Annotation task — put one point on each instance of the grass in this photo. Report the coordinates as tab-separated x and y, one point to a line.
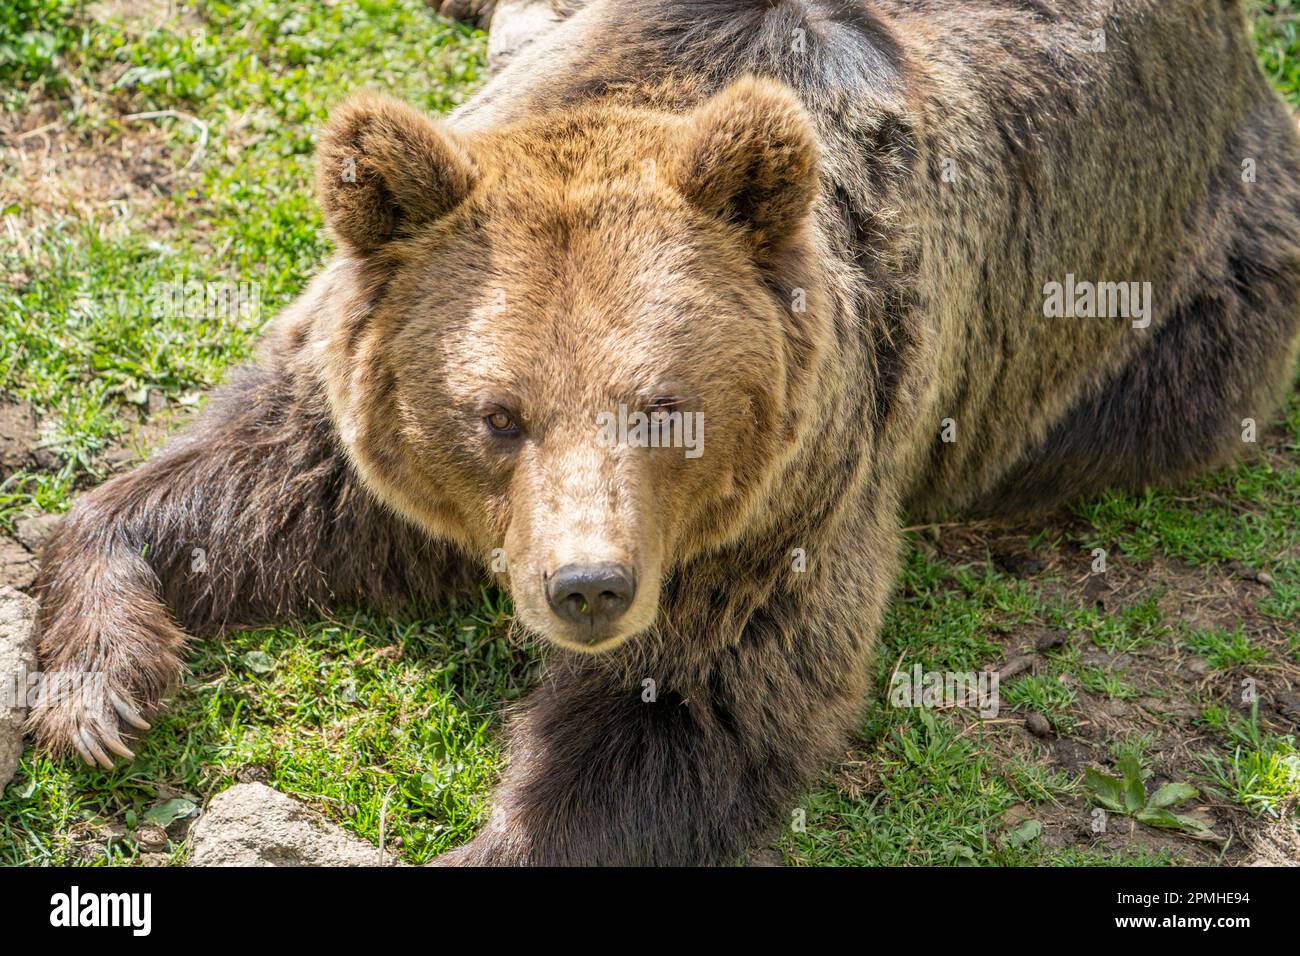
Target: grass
1223	649
368	717
1263	770
33	34
1122	631
1106	683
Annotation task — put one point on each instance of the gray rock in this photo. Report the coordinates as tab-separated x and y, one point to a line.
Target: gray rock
17	660
32	530
252	825
17	566
1038	725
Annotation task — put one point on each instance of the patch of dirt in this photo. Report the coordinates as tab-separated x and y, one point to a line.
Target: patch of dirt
95	166
1171	685
96	155
20	439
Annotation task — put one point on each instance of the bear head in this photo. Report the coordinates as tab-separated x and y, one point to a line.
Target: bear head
572	343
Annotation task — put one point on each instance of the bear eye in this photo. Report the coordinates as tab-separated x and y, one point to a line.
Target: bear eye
501	422
661	406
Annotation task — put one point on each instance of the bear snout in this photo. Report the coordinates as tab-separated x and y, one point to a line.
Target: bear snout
593	597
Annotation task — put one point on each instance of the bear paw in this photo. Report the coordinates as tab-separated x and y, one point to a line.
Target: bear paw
85	717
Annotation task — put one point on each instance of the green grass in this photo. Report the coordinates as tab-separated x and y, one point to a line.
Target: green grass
350	714
33	35
1122	631
938	804
1223	649
1262	770
1106	683
1043	694
369	717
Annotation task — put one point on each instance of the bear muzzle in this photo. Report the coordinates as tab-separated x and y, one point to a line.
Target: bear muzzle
591	598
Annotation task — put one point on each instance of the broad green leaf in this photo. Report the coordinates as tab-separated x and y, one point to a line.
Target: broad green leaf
165	814
1135	795
259	662
1171	794
1106	790
1025	833
1165	820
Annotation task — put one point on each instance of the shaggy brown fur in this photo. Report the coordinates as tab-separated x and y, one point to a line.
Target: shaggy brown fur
827	227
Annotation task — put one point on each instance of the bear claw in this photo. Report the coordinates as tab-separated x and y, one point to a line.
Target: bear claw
129	714
95	735
93	740
90	751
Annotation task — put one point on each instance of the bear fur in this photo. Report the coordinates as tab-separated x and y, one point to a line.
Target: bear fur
826	227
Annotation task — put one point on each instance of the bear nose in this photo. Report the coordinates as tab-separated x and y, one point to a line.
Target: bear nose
591	594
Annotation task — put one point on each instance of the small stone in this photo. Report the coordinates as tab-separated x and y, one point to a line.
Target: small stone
252	825
151	837
17	660
1015	667
1247	573
1037	725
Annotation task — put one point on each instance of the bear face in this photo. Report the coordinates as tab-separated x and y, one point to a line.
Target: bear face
563	344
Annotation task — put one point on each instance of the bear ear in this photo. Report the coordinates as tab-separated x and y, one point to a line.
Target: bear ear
383	167
749	157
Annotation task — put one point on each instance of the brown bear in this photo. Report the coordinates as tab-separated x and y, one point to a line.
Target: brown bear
676	319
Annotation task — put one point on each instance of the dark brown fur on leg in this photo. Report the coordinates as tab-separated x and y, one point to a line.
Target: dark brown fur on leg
249	516
702	774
